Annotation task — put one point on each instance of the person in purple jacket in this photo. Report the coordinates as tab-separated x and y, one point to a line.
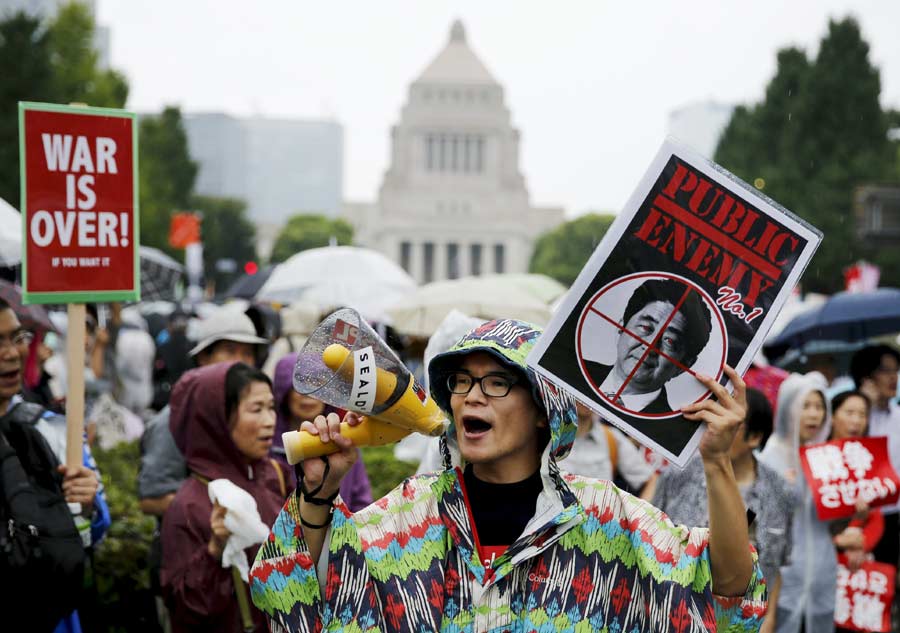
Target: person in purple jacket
293	409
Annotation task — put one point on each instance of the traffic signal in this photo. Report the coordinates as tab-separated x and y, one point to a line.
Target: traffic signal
251	268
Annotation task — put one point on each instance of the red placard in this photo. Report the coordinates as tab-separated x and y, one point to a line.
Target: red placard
184	230
842	471
79	204
864	596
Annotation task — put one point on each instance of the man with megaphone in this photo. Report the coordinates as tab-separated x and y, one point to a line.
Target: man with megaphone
506	541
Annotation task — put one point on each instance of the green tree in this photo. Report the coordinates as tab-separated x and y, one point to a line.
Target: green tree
227	234
167	176
25	75
55	63
303	232
819	133
76	75
563	252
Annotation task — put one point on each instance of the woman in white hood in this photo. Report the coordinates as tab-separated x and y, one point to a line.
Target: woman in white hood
809	580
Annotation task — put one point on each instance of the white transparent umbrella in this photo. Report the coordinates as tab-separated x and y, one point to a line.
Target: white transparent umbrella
10	234
491	297
336	276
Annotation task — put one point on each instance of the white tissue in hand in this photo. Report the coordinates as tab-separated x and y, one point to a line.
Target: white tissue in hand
241	519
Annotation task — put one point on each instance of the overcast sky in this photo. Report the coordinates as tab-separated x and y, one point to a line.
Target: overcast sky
590	84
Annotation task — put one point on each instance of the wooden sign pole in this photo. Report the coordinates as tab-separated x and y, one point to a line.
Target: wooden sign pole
75	335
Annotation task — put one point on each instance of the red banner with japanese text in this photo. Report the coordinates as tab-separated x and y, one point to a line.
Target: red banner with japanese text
864	596
842	472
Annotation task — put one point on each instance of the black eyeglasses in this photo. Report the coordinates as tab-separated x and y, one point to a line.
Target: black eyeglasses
492	385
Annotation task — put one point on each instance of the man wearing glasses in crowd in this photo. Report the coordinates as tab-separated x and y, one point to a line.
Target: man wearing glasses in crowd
501	539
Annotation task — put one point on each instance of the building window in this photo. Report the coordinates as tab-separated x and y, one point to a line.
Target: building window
442	153
405	255
499	256
475	258
875	216
428	262
452	261
454	152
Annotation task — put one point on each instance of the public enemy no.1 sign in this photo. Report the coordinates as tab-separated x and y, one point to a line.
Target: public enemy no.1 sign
79	204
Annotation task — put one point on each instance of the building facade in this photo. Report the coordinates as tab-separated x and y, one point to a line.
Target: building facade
700	125
876	211
453	201
279	167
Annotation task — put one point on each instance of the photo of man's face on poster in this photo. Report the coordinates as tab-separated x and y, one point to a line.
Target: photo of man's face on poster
660	335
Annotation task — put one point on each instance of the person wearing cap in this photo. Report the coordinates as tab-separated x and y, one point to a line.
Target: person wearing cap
508	542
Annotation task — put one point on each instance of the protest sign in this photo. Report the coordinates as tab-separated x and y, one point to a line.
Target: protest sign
841	472
864	596
689	277
79	204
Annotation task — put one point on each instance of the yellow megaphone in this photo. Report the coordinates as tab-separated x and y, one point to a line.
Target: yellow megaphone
300	445
344	363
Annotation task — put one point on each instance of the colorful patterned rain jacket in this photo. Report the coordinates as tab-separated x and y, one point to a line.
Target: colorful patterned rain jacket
593	558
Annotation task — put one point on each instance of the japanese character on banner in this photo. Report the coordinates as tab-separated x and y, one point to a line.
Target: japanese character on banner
826	463
863	598
857	458
842	472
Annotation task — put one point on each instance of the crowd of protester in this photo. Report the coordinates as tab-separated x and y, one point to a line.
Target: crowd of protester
209	398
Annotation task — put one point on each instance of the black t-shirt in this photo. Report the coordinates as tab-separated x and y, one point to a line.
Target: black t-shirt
501	511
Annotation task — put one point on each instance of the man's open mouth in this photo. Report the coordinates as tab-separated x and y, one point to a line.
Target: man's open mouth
475	426
9	375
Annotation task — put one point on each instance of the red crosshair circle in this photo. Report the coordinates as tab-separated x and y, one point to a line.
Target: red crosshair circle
652	346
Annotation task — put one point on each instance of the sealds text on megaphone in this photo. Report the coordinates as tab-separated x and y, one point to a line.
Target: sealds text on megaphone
344	363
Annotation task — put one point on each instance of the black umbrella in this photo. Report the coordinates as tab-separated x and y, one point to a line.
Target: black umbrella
844	317
32	317
160	275
246	286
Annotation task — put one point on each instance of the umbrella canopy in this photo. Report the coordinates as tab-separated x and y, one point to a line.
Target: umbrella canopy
160	275
336	276
844	317
32	317
10	234
247	286
543	288
489	297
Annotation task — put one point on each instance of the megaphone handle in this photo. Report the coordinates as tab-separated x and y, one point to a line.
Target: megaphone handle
308	445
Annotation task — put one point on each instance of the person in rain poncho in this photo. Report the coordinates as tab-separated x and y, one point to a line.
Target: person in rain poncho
507	542
809	580
222	419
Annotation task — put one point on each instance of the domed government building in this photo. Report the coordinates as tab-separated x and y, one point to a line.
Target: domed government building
453	201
